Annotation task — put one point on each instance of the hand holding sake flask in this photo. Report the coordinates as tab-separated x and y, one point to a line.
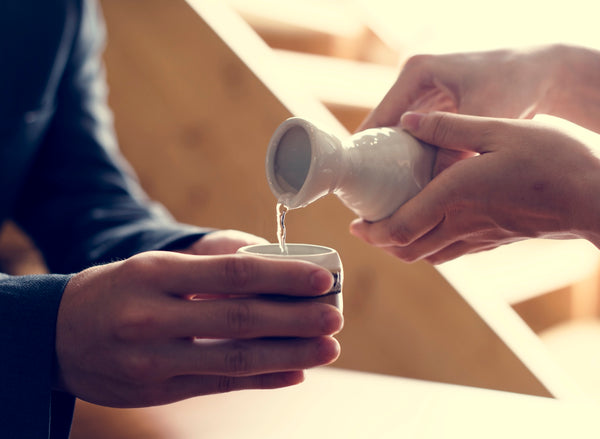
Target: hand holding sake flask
373	172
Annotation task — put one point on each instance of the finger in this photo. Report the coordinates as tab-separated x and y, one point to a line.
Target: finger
387	113
457	250
446	157
224	242
181	387
188	386
453	237
182	274
250	357
410	255
429	244
412	220
446	243
249	318
471	245
438	98
452	131
434	255
424	84
414	83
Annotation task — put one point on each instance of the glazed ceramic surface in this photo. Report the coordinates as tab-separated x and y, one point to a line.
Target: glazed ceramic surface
373	172
326	257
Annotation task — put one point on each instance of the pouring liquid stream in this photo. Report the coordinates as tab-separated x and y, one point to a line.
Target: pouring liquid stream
281	209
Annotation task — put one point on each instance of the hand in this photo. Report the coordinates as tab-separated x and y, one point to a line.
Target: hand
530	179
559	80
128	333
500	83
223	242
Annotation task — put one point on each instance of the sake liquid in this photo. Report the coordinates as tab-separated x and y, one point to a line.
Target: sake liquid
281	232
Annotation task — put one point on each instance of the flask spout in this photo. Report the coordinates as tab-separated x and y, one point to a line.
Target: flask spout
300	164
292	159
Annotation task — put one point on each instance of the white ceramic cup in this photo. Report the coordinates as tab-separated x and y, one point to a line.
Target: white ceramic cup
324	256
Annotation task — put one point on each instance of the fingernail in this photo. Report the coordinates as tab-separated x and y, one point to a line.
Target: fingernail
411	121
321	280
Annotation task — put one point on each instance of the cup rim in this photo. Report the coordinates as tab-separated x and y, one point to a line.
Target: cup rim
293	250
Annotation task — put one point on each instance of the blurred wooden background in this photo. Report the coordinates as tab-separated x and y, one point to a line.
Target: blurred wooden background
197	93
195	120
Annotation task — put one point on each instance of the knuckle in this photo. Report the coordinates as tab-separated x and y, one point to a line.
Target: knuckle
134	324
400	234
437	259
410	258
404	254
440	128
492	128
240	319
417	62
151	396
238	360
140	368
143	266
225	384
239	271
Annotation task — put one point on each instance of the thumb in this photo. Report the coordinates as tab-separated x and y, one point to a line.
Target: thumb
449	130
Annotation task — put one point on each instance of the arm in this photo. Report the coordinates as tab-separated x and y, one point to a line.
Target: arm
559	80
28	309
81	203
78	201
99	333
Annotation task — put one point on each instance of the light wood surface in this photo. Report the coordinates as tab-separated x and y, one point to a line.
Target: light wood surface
341	404
196	98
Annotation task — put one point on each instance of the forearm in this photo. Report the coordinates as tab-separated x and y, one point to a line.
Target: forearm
74	235
80	201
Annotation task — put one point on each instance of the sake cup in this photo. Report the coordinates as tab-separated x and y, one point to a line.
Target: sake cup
325	257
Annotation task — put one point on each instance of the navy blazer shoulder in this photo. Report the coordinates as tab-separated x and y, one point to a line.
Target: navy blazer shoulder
63	180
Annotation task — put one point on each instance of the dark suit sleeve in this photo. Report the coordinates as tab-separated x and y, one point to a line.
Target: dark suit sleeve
81	203
28	309
78	201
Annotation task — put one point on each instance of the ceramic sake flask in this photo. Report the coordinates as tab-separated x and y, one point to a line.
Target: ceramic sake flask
373	172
